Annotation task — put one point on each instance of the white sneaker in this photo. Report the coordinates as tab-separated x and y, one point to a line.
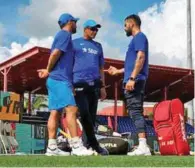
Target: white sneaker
56	152
79	150
145	151
94	152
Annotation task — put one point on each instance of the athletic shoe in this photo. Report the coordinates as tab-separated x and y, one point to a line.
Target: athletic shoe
78	149
56	152
137	151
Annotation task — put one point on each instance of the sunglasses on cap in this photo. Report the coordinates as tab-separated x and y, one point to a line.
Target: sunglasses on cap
93	29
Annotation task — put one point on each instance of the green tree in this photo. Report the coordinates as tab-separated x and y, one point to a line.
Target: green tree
37	102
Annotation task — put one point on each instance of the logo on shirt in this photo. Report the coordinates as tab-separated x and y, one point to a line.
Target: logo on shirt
81	44
90	51
84	49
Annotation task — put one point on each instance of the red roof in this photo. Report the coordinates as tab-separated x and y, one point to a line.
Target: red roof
23	77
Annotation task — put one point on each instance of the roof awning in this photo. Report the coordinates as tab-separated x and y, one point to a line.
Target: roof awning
22	77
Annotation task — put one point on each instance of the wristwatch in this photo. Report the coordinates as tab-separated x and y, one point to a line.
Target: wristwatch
132	79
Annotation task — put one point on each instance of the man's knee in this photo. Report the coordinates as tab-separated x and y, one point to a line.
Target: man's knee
71	110
138	120
54	115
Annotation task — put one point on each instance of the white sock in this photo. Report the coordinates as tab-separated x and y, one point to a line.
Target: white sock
75	142
75	139
142	142
52	143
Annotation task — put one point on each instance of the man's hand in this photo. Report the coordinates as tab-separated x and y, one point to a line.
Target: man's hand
103	94
43	73
130	85
112	70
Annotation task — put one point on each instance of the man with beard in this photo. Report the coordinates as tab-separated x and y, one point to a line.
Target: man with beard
89	82
135	76
59	85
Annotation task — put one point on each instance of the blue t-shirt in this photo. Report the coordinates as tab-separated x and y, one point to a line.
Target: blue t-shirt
88	60
138	43
63	68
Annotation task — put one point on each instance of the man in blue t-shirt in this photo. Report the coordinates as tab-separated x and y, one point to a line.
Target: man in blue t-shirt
59	84
135	76
89	83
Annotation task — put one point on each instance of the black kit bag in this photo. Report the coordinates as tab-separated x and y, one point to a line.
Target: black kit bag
115	145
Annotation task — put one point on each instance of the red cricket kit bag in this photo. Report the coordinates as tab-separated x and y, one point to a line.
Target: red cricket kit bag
170	127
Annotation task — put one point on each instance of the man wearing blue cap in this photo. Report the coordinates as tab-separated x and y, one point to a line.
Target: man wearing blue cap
89	83
59	84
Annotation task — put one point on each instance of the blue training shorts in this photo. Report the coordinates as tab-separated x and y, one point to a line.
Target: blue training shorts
60	94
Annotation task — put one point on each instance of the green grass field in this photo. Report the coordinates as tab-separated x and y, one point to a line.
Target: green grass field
97	161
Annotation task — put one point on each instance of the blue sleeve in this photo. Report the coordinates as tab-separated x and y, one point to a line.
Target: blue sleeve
140	43
74	42
101	58
62	41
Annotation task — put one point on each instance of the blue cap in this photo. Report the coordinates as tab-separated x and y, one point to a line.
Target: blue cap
91	23
65	18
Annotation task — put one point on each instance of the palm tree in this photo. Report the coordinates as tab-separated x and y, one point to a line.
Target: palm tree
38	102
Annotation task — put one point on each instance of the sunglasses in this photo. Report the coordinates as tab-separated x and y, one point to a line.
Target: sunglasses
93	29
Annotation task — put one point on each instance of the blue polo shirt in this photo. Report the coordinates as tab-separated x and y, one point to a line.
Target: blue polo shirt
138	43
64	66
88	60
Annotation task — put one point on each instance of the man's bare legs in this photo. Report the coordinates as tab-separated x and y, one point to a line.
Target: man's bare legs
53	124
75	141
71	112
